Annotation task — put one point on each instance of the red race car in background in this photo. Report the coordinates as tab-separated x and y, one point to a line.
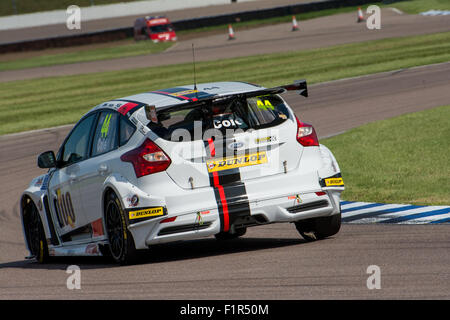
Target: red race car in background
158	29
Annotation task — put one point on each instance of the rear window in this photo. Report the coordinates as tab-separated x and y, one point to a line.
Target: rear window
224	116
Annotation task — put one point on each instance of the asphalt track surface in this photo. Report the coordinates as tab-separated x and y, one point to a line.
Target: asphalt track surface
269	262
314	33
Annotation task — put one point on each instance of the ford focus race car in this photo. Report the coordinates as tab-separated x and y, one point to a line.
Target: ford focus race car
178	164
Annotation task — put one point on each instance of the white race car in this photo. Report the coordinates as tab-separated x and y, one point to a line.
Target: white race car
177	164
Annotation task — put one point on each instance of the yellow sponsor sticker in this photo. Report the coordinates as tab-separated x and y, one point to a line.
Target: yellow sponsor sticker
266	139
334	182
145	213
183	93
237	162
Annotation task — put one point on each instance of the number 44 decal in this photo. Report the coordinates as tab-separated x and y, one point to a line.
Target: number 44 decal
264	105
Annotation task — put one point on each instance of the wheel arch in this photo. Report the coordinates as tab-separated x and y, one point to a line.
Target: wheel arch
26	200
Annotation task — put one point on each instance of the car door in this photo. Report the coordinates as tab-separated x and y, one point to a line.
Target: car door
64	188
98	167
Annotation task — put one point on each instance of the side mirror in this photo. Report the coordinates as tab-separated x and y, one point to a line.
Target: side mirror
47	160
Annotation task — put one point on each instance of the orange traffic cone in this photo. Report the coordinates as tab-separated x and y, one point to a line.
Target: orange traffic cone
230	33
294	24
360	15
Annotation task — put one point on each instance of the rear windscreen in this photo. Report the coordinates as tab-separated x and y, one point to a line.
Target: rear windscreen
226	117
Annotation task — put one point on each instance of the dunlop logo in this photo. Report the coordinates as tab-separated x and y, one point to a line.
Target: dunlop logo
334	182
145	213
237	162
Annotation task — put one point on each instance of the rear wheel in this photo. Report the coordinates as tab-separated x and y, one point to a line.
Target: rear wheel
34	231
121	243
319	228
228	236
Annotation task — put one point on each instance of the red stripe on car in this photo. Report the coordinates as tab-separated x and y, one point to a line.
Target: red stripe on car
126	107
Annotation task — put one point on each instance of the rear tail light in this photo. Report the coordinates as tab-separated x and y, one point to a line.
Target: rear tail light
306	135
147	159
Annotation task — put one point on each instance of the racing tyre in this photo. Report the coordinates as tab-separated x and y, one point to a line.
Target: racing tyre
228	236
319	228
34	231
121	243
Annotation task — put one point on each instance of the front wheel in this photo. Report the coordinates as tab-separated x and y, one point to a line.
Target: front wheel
319	228
34	231
121	243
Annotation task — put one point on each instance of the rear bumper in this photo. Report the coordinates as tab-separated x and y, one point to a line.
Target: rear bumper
205	222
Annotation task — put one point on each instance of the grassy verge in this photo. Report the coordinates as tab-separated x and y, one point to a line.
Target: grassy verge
399	160
47	102
81	55
418	6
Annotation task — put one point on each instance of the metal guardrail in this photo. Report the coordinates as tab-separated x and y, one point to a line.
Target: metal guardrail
186	24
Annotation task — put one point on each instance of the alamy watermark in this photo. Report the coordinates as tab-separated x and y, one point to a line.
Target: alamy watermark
73	21
74	280
373	21
374	280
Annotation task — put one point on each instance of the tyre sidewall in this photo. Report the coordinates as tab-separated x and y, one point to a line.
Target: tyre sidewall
128	252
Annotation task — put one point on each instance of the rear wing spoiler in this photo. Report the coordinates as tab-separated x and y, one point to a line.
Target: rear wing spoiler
299	85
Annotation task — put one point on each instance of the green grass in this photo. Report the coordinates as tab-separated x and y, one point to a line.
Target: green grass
82	55
47	102
418	6
400	160
29	6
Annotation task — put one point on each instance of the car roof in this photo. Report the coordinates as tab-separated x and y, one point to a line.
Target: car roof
182	94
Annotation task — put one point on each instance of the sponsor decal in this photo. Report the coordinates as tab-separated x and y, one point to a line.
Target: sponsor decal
235	145
63	203
38	182
127	107
296	197
92	249
183	93
145	213
266	139
105	126
264	104
334	182
153	22
199	219
237	162
227	123
97	228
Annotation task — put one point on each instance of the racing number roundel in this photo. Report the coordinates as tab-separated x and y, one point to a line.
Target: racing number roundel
64	207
